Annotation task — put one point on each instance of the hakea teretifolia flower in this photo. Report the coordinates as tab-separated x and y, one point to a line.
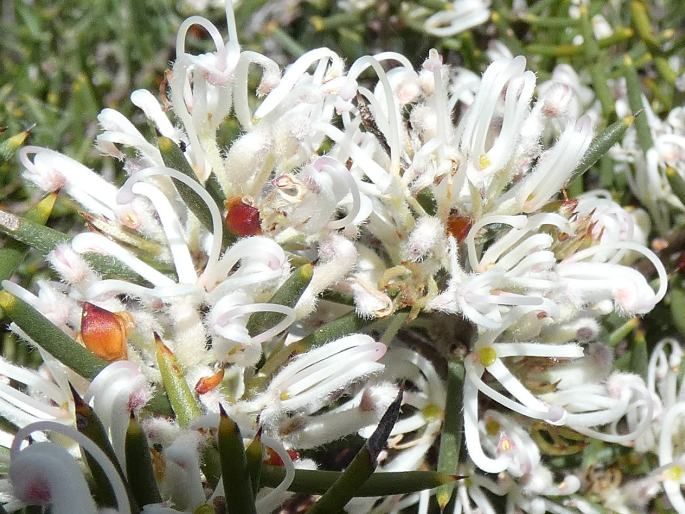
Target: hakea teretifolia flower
412	191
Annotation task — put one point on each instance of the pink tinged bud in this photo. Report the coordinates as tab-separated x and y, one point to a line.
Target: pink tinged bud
69	265
269	81
427	235
45	474
557	100
433	63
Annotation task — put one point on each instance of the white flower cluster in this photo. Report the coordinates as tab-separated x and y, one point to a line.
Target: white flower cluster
414	193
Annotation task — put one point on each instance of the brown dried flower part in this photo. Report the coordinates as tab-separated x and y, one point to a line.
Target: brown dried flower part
206	384
104	333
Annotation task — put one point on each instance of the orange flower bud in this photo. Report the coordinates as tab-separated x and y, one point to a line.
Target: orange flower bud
206	384
458	226
242	219
104	333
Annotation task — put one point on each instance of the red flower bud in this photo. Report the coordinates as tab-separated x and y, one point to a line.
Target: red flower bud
459	226
104	333
242	219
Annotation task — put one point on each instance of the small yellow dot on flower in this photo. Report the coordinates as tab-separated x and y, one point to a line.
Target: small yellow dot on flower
505	445
284	396
487	356
431	411
484	161
492	427
674	473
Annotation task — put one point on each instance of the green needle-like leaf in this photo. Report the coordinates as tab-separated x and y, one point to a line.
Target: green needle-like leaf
676	182
601	144
639	356
139	468
450	438
50	338
288	294
677	306
62	347
45	239
13	253
362	466
254	456
236	478
379	484
182	400
10	145
173	157
90	425
644	134
622	332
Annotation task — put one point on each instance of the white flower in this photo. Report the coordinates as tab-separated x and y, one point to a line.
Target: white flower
524	402
309	381
462	15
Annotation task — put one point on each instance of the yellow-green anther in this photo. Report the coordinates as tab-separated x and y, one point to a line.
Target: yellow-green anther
674	473
487	356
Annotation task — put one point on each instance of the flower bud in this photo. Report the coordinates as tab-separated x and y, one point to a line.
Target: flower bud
242	219
458	226
557	100
427	236
206	384
103	332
